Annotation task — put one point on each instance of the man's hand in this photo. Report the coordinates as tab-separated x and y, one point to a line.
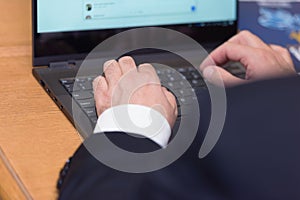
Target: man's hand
124	83
260	60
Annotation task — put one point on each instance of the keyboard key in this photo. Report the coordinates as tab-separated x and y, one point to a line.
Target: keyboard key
81	80
84	85
91	112
187	100
72	88
196	75
186	110
187	92
198	83
182	69
67	81
82	95
192	69
69	87
94	119
91	78
86	103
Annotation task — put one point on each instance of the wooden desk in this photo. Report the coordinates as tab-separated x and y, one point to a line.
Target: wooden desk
35	137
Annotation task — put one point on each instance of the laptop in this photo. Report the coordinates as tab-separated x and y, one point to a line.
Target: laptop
66	31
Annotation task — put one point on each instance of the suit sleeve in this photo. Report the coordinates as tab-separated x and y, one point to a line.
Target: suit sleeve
87	178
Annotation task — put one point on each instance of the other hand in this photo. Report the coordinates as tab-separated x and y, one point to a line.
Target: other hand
261	61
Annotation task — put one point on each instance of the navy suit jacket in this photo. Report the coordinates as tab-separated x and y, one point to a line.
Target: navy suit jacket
256	157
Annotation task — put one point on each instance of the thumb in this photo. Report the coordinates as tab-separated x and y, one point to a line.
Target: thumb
220	77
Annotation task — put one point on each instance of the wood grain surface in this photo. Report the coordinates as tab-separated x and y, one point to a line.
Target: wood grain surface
35	136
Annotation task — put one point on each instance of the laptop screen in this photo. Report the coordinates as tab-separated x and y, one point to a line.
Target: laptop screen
69	30
70	15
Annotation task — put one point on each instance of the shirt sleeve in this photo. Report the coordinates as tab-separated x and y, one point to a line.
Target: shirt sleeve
134	119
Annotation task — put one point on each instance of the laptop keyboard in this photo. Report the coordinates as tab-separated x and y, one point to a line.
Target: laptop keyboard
81	89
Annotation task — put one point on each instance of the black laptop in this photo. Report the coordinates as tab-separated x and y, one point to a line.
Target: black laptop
66	31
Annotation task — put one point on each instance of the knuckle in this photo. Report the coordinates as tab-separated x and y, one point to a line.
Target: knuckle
263	55
226	46
245	33
285	51
109	69
146	66
126	60
108	64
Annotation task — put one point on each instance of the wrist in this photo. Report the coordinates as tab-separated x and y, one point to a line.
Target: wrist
135	119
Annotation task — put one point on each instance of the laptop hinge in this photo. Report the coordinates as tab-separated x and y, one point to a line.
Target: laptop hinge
65	64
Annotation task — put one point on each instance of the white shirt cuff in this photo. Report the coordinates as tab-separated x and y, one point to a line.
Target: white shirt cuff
135	119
